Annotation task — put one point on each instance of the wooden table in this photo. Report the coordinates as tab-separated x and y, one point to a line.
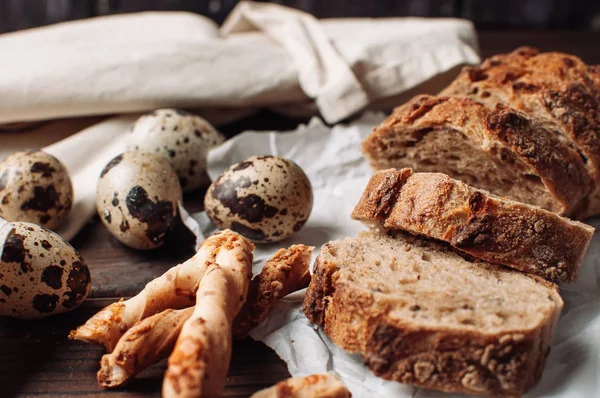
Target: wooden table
36	359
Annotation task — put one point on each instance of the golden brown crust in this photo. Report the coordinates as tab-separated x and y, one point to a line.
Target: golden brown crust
501	231
557	88
313	386
473	361
381	194
506	139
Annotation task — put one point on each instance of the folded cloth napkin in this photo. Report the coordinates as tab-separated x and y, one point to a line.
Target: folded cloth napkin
264	55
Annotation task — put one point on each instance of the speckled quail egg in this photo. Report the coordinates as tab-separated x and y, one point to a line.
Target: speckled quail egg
40	273
35	187
183	138
264	198
137	199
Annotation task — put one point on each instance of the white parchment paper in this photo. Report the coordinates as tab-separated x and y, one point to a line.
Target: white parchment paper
338	172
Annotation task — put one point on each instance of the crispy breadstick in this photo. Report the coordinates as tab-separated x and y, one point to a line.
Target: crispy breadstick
200	360
176	288
152	339
314	386
286	272
141	346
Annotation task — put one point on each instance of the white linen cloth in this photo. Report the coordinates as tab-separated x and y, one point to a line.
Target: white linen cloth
264	55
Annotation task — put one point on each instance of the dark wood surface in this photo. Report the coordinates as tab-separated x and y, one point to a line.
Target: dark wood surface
36	359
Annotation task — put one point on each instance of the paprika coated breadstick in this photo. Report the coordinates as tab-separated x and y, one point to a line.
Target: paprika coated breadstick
313	386
152	339
200	360
176	288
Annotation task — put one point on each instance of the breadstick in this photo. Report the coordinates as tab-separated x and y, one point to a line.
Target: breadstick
286	272
147	342
314	386
152	339
199	363
176	288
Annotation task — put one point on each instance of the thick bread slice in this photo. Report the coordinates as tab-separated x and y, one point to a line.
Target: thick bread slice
423	315
558	88
500	150
486	226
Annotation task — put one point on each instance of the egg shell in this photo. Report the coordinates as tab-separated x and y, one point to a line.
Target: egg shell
264	198
40	274
137	199
182	137
35	187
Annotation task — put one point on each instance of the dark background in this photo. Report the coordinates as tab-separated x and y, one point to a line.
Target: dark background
487	14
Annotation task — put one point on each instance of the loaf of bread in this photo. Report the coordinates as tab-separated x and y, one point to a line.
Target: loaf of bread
524	126
421	314
477	222
557	88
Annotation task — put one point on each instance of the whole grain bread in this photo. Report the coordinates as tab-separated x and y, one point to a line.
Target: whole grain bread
421	314
477	222
312	386
501	150
557	88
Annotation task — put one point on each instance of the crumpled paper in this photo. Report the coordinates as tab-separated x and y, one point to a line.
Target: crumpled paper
338	172
265	55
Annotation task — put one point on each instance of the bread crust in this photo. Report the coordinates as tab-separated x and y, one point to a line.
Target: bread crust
483	225
555	87
506	135
469	361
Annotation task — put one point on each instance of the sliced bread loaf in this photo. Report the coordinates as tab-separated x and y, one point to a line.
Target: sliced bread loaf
558	88
500	150
423	315
486	226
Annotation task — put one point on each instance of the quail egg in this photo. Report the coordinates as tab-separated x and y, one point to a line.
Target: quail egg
183	138
264	198
35	187
137	199
40	273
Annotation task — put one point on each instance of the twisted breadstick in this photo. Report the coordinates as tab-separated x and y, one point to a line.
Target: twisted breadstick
314	386
147	342
199	363
176	288
284	273
152	339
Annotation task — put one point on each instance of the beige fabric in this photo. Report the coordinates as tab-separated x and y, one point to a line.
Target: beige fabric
265	55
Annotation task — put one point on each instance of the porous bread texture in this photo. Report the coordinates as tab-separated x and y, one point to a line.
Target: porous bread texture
423	315
502	150
477	222
559	89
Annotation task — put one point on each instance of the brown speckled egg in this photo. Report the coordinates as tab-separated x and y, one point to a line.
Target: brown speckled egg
183	138
137	199
264	198
40	274
35	187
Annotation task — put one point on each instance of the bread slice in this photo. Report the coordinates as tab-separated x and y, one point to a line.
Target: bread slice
423	315
500	150
555	87
477	222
